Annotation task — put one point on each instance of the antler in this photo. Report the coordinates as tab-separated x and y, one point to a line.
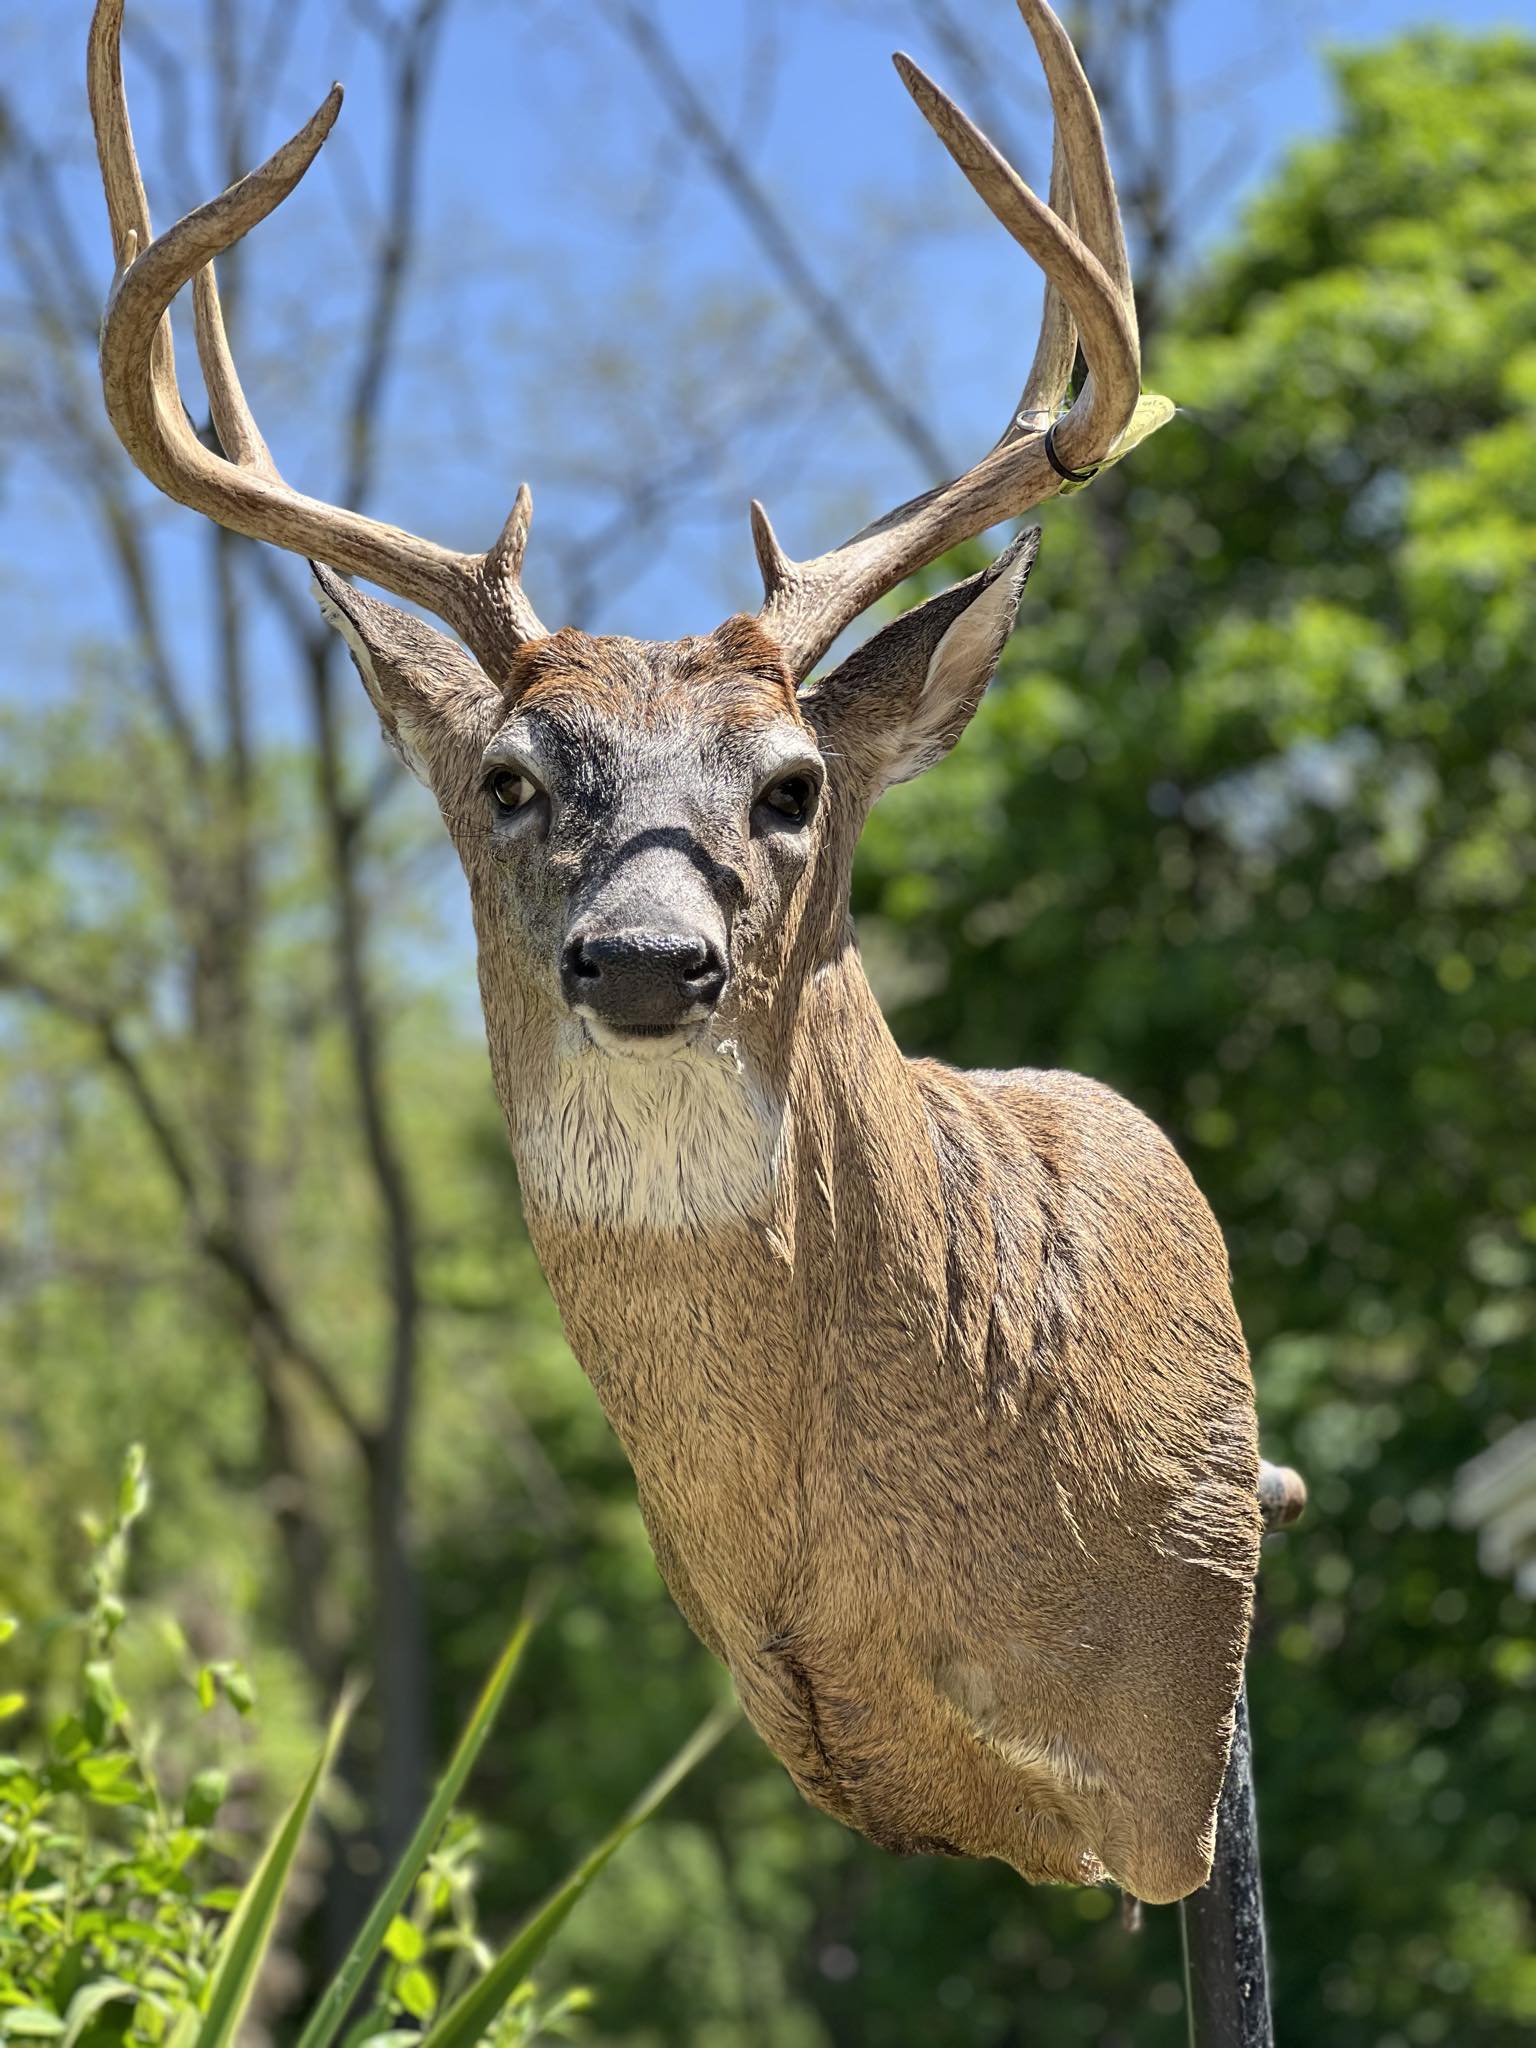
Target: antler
480	596
1078	242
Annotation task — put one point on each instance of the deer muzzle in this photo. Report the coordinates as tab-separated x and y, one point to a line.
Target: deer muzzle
648	952
643	984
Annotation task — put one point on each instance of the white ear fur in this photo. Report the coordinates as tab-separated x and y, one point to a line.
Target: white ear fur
394	733
958	670
972	643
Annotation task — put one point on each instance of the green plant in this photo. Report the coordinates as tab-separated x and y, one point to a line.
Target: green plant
116	1930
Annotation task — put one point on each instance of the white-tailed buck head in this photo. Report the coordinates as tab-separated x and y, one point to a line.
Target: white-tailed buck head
932	1385
648	810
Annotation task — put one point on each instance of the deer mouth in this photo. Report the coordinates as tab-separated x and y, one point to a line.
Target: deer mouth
642	1041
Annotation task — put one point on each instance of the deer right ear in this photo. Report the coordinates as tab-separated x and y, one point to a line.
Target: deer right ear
424	686
900	702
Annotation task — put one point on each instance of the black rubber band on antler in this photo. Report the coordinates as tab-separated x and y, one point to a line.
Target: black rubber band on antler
1070	476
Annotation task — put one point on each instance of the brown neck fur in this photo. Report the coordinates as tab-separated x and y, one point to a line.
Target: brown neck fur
958	1423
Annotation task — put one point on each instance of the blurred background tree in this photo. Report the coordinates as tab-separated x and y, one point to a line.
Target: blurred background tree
1245	830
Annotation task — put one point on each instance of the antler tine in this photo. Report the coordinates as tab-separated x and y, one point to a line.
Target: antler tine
233	421
1088	291
480	596
1081	135
1095	301
127	201
1056	350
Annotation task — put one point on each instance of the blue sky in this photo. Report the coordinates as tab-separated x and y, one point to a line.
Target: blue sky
596	302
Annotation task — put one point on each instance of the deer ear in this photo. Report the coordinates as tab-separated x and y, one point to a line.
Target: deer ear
426	689
899	702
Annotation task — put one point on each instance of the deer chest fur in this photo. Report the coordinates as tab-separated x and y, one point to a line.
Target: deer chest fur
687	1143
975	1467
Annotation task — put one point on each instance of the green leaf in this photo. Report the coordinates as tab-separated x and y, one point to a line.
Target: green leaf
69	1738
230	1678
8	1627
149	2018
416	1990
243	1945
133	1487
404	1940
88	2001
11	1703
141	1933
101	1703
472	2015
334	2005
30	2023
222	1899
238	1689
1152	411
205	1795
111	1780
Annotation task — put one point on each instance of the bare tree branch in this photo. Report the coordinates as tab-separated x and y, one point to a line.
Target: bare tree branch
64	315
772	233
213	1234
415	42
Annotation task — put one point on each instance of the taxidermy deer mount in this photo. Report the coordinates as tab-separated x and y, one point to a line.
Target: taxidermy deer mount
937	1403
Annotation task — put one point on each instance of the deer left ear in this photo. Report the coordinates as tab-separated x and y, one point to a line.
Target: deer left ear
900	702
424	686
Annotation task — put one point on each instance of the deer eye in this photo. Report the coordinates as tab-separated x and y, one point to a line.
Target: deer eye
511	790
790	798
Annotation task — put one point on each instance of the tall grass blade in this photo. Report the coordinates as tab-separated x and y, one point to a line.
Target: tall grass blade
245	1940
466	2021
327	2018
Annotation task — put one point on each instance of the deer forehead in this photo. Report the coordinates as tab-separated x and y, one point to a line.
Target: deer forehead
593	705
734	675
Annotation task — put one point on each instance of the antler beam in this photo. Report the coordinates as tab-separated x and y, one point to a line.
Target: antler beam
480	596
1079	244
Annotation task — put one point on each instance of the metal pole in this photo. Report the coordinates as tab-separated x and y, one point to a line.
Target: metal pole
1226	1977
1226	1972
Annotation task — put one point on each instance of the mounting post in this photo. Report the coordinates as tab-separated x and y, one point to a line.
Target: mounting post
1226	1973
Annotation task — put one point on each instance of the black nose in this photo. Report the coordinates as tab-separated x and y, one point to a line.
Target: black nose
646	982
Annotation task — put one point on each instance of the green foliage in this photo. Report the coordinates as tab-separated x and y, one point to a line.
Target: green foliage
468	2020
408	1984
112	1892
243	1946
114	1934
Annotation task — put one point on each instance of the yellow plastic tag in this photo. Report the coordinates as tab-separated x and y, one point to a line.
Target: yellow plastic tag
1152	411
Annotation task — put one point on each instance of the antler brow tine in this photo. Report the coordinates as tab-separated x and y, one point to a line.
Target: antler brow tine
1079	244
479	595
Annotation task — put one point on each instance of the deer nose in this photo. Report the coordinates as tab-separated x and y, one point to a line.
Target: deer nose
642	981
